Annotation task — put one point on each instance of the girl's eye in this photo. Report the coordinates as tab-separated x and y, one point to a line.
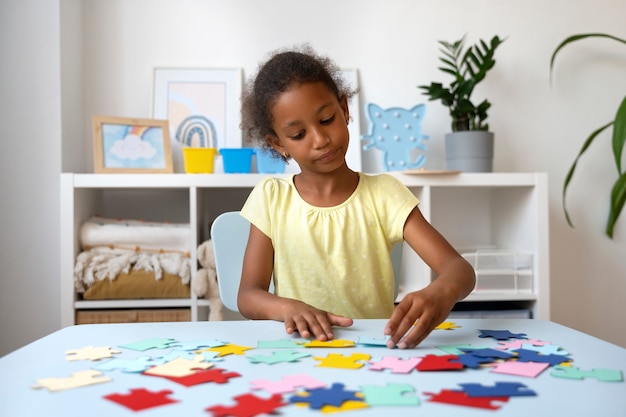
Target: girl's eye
297	136
328	121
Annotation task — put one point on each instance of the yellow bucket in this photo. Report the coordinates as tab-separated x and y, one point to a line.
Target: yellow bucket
199	160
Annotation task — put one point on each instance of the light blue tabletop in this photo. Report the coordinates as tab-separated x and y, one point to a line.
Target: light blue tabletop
46	358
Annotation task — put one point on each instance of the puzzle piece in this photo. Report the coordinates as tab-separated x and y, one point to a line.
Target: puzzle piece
470	360
439	363
142	399
90	353
75	380
287	384
457	349
216	375
524	355
547	349
155	343
527	369
317	398
447	396
395	364
489	353
179	367
248	405
501	334
278	357
197	345
601	374
227	349
447	325
335	343
373	341
127	365
336	360
390	394
517	344
280	344
500	389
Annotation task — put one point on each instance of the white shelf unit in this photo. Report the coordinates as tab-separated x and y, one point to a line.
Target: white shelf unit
507	210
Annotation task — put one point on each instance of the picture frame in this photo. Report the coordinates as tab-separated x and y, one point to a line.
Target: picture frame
201	105
131	145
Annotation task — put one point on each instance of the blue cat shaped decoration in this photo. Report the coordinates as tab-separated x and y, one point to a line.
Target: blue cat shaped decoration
396	131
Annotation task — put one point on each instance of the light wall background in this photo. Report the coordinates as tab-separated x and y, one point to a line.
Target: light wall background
65	60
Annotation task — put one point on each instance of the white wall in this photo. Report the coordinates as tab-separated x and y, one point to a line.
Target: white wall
30	122
394	46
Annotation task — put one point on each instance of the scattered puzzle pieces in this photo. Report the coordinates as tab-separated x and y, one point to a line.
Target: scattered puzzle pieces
90	353
501	334
248	405
336	360
572	372
142	399
278	357
155	343
77	379
179	367
317	398
390	394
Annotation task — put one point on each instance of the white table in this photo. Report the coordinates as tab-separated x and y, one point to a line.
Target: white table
555	396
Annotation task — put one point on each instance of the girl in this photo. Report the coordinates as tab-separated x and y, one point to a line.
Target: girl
326	233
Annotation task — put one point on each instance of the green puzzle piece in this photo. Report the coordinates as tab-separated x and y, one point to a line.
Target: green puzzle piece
571	372
391	394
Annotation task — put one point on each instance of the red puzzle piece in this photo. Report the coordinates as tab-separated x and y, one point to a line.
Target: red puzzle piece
439	363
447	396
248	405
217	375
141	399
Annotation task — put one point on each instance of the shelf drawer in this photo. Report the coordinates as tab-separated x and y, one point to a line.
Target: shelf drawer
132	316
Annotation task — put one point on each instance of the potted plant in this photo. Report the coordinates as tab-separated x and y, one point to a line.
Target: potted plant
618	192
470	145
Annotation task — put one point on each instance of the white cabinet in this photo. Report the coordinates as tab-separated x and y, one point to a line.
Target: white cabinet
507	211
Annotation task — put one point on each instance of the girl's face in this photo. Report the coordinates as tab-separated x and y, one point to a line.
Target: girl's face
312	126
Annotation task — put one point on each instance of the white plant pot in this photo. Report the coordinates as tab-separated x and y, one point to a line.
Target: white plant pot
469	151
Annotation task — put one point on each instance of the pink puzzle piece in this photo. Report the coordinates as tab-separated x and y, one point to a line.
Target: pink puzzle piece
518	344
287	384
527	369
395	364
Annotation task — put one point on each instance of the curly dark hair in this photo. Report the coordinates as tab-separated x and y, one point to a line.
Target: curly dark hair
279	73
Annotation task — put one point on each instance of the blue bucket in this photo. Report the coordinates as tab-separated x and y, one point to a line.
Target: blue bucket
267	163
237	160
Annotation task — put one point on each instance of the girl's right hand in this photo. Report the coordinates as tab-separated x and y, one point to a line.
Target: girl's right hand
310	321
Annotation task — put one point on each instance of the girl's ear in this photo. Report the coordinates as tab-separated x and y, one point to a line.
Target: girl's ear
276	143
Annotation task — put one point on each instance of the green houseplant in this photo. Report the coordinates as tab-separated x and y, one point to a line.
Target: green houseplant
618	192
468	67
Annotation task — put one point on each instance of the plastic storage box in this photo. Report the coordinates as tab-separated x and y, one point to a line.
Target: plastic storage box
502	270
237	160
266	163
199	160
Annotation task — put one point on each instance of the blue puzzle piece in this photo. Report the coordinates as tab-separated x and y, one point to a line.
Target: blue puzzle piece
525	355
317	398
488	353
500	389
501	334
469	360
278	357
137	365
198	344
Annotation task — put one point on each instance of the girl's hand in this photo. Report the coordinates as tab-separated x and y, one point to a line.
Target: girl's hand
310	321
418	314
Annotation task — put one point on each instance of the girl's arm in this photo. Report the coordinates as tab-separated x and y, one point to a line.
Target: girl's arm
431	305
256	302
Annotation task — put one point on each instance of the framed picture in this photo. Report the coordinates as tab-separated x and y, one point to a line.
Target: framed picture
201	105
131	145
